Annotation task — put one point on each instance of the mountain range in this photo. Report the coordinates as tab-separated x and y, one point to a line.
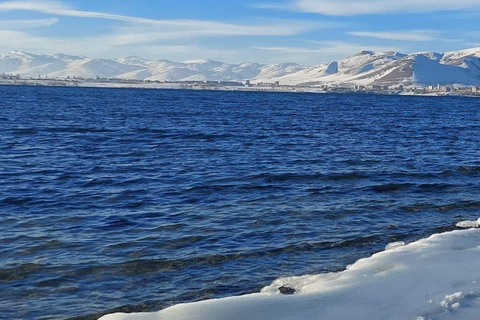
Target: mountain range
365	68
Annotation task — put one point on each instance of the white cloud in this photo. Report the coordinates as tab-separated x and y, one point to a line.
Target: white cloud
58	8
413	35
14	39
110	47
347	48
289	50
180	27
144	37
328	50
363	7
278	6
89	46
102	47
26	24
474	44
131	39
146	34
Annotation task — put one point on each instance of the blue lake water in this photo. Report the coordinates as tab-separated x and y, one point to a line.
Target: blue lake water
135	200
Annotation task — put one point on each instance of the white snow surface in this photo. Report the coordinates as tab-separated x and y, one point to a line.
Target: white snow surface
469	224
365	68
437	278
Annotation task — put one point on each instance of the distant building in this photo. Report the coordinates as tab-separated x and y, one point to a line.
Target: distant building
445	89
475	89
268	84
230	83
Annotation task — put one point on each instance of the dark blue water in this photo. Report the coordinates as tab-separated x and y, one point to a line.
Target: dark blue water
135	199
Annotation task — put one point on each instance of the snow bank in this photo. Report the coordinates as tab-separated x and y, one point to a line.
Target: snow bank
435	278
469	224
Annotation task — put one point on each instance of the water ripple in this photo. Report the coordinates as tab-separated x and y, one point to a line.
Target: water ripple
138	199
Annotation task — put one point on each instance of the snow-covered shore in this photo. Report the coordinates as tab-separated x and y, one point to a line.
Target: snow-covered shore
434	278
175	86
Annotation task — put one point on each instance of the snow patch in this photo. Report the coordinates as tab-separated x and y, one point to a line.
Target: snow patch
468	224
394	245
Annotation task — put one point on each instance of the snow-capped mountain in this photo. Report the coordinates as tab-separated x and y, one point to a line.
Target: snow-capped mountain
62	66
393	68
365	68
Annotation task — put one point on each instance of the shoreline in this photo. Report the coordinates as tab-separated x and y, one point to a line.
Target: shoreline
187	86
382	286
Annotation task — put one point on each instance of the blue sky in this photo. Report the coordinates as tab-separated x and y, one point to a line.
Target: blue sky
266	31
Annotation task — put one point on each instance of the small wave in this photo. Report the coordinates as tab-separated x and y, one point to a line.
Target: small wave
181	242
171	227
25	131
78	130
358	242
226	187
354	175
116	223
258	187
152	130
206	136
145	267
469	169
99	182
424	187
268	177
208	188
467	205
391	187
54	282
432	187
67	176
152	266
132	181
49	245
25	238
288	177
17	201
20	272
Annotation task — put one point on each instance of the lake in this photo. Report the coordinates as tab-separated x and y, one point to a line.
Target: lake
134	200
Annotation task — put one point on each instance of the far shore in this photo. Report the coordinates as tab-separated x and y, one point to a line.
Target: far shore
92	83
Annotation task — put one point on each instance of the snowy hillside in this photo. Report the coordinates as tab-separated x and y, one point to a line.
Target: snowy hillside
365	68
392	68
62	66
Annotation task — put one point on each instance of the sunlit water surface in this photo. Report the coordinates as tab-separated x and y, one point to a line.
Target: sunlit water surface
138	199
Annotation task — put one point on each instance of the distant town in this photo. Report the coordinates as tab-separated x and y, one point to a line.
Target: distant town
400	89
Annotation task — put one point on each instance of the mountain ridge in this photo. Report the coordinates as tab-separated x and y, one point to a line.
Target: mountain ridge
460	67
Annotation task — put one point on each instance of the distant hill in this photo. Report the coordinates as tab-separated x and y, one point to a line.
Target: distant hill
365	68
